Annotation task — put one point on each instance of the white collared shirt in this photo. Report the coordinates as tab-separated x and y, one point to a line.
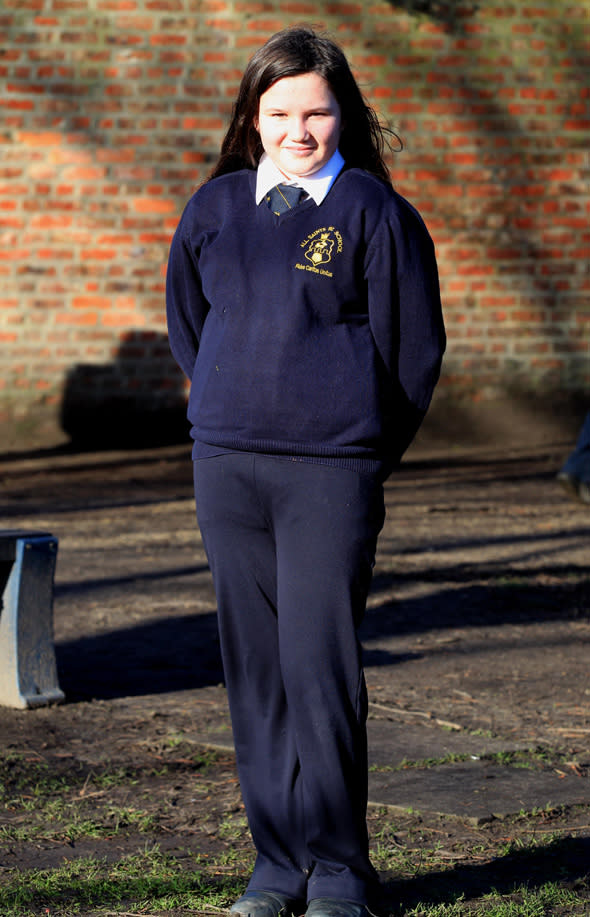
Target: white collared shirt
316	185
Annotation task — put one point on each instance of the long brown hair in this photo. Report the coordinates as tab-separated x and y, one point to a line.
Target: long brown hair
290	53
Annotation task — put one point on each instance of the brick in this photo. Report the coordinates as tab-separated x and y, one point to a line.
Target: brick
152	205
121	320
39	139
73	319
91	302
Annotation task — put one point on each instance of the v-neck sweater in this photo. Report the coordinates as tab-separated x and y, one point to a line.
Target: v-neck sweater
316	334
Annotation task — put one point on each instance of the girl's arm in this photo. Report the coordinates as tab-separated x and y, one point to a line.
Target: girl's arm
186	306
406	318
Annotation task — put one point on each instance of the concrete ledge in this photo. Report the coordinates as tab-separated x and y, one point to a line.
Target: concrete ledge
28	673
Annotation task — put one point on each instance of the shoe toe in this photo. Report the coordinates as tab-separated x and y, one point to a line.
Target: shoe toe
263	904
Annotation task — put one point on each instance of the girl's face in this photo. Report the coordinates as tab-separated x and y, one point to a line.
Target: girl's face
299	122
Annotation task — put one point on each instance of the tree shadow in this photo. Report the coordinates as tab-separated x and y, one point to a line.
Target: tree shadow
180	653
563	860
137	401
449	12
509	599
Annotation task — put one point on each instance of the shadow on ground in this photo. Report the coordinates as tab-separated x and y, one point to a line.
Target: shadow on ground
509	598
563	861
177	654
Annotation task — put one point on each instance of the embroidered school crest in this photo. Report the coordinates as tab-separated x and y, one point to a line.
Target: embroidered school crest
320	250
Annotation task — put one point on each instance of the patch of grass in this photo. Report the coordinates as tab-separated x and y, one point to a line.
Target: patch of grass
537	757
407	764
151	878
114	821
547	901
531	872
41	805
206	758
119	776
232	828
28	782
21	777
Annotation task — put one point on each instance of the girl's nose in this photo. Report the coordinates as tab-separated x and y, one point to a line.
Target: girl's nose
297	128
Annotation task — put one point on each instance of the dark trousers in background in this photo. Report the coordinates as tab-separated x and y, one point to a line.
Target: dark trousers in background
291	546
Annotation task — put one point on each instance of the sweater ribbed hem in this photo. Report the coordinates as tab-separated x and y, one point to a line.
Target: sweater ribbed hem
319	456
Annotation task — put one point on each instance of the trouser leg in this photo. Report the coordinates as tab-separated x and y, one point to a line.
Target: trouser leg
326	527
241	552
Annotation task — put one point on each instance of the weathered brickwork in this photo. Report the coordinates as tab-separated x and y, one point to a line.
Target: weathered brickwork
112	111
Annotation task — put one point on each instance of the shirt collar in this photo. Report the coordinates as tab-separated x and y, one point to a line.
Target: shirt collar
316	185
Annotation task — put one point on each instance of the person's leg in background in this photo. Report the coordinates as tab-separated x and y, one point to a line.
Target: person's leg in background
575	473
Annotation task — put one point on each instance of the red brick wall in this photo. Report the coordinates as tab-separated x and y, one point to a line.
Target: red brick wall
112	111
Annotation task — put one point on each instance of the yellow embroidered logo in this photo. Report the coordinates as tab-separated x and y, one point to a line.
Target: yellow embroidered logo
320	246
320	251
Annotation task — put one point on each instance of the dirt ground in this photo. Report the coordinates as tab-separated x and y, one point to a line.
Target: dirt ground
478	625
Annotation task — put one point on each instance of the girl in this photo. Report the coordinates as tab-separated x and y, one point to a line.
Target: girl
303	305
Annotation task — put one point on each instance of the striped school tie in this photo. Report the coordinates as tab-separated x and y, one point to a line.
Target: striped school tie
283	197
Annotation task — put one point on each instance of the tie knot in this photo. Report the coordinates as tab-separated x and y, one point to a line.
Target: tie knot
284	197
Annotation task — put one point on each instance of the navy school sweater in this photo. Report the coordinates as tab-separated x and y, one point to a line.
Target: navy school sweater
317	334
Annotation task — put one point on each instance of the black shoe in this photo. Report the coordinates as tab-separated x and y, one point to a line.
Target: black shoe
335	907
265	904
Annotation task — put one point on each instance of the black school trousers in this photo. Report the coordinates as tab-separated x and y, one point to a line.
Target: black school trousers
291	547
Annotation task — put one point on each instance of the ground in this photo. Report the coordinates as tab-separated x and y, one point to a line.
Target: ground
475	638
